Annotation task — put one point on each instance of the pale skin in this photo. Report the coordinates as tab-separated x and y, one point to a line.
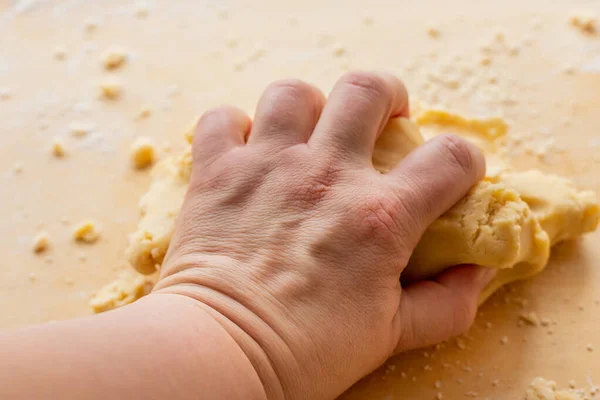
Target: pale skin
282	279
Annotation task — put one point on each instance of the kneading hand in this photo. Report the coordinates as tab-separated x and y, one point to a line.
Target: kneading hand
295	245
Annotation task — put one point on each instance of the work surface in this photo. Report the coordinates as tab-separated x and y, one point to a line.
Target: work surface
522	61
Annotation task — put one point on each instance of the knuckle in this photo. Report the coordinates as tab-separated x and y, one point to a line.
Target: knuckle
458	153
378	216
216	114
311	184
372	84
293	89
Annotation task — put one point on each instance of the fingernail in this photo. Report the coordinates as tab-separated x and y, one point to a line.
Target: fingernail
486	275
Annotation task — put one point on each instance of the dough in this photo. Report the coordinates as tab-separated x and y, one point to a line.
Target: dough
507	222
542	389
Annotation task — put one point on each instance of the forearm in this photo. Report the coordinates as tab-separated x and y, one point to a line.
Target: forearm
164	346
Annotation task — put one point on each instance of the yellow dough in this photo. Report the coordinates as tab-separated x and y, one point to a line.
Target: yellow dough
507	222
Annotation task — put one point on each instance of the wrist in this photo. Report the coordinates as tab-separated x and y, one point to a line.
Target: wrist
192	344
244	315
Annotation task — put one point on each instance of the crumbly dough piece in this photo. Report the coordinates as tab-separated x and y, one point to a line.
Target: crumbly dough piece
127	288
159	209
86	232
542	389
143	153
492	226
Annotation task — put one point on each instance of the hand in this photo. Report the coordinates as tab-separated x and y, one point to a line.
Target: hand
294	243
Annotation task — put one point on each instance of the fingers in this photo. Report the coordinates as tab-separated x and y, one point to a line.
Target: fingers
434	177
287	113
357	109
218	131
433	311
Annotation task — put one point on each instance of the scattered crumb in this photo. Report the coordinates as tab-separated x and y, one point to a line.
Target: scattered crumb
41	243
461	344
433	32
223	14
144	113
581	307
86	232
439	396
495	382
437	384
79	129
5	93
368	20
530	318
459	381
488	325
584	22
504	340
589	347
485	60
572	383
91	26
69	281
427	368
514	50
339	50
111	89
32	276
64	220
143	153
18	168
499	36
569	70
113	58
232	42
141	9
58	149
60	52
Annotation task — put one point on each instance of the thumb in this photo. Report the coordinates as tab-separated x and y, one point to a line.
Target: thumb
433	311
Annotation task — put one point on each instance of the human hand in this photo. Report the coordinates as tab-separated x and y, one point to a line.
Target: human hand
292	241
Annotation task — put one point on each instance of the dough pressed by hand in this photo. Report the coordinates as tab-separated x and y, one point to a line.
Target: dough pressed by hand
507	222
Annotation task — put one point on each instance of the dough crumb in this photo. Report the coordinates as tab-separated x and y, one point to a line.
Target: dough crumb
572	383
91	26
141	9
143	153
86	232
32	276
41	243
542	389
427	368
60	53
584	22
113	58
18	168
144	113
439	396
437	384
127	288
589	347
58	149
79	129
530	318
5	93
111	89
368	21
504	340
485	60
433	32
339	50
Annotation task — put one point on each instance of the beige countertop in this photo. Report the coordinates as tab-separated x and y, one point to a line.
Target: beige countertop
543	78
